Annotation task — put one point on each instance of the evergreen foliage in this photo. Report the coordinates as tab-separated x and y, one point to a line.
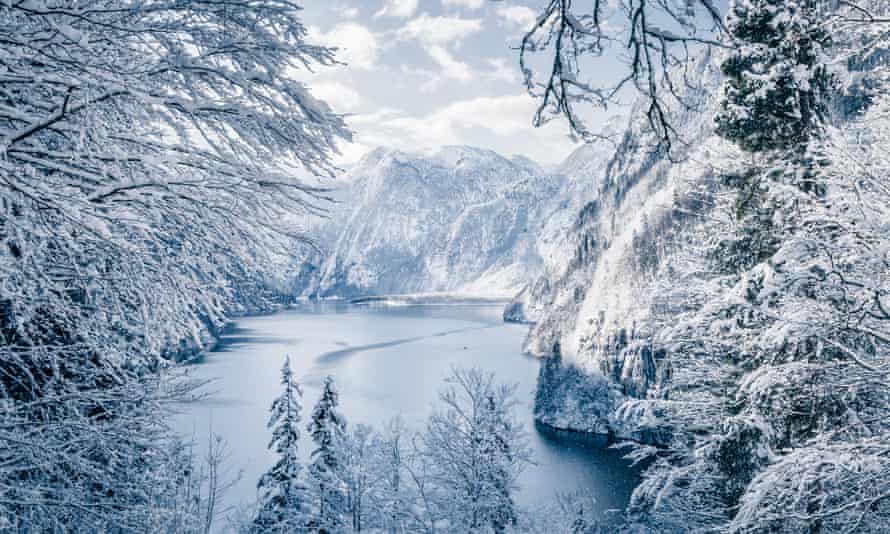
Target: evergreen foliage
284	501
327	428
776	84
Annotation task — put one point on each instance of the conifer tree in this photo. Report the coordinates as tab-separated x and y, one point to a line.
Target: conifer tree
774	106
284	501
776	80
783	319
327	429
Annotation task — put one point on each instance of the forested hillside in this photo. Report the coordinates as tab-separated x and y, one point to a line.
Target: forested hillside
735	316
705	279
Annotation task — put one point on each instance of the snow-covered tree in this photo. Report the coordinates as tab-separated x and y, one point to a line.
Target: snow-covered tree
774	371
571	513
327	428
394	493
284	500
654	42
772	302
776	84
148	154
496	443
776	96
363	471
476	451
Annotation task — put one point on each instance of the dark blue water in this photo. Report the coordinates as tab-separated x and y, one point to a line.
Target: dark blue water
386	361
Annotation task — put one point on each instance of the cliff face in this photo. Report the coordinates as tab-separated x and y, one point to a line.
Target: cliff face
595	313
461	220
598	308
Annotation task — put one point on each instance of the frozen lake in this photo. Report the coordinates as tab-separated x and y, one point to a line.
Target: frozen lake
386	361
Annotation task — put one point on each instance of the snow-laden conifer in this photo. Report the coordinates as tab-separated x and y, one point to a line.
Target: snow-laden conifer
284	501
776	79
774	396
327	428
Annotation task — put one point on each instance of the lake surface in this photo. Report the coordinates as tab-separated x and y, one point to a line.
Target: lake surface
386	361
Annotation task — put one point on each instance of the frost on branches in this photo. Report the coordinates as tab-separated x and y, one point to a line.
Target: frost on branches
778	381
457	476
476	452
142	150
769	299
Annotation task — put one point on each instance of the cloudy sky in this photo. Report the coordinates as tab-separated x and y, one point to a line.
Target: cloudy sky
426	73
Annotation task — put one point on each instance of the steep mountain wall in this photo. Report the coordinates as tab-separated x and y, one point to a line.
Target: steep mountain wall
594	314
582	172
459	220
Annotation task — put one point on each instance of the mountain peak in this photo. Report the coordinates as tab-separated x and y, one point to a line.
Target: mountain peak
447	156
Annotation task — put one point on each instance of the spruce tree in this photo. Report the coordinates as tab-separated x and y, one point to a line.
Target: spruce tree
283	504
774	107
776	81
327	429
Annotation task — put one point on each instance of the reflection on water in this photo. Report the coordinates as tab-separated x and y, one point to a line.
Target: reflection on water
386	361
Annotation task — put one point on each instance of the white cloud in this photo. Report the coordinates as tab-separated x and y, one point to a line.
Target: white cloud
505	121
378	115
438	30
451	67
368	134
502	115
469	4
397	8
350	152
347	12
433	33
341	97
357	45
521	16
500	70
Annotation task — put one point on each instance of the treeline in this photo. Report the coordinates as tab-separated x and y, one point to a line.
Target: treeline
458	475
772	308
148	154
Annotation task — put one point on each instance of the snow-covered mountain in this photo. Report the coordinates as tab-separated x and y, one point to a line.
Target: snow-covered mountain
459	220
581	173
593	311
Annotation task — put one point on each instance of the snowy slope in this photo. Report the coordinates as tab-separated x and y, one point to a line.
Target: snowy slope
459	220
581	173
598	309
593	312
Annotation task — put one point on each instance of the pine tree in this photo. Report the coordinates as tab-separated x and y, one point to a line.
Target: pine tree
284	501
327	428
776	81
